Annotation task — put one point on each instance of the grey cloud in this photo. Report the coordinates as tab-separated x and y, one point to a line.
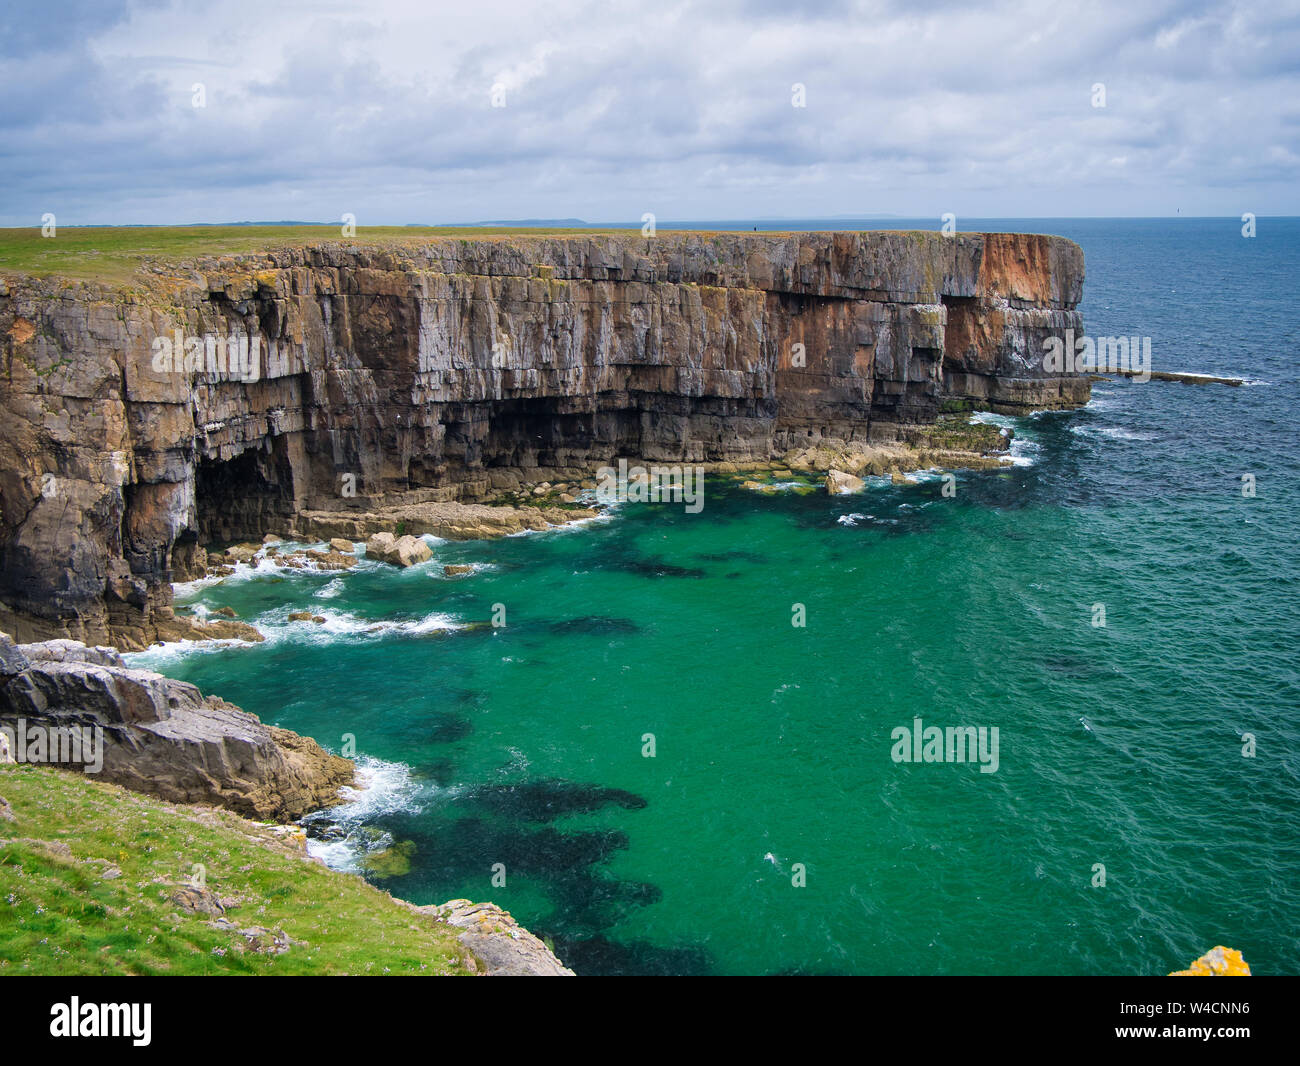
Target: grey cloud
609	105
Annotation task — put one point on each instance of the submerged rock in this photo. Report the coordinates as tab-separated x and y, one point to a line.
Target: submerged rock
394	861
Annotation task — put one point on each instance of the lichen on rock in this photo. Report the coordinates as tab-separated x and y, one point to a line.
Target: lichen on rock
1217	962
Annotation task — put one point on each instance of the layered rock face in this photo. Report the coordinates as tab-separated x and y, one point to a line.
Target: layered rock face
152	734
221	399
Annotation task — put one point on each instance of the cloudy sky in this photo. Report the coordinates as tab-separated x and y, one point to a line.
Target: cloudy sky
385	109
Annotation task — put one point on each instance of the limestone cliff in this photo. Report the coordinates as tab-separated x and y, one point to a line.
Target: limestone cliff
222	398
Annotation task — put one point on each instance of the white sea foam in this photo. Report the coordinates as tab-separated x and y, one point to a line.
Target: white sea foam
162	656
185	589
574	526
330	589
276	627
385	788
920	477
1113	432
1024	450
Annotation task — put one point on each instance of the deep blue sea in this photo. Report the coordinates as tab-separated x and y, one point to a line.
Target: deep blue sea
771	831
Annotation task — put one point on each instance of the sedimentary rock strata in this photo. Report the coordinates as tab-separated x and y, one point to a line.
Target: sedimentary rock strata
153	734
316	388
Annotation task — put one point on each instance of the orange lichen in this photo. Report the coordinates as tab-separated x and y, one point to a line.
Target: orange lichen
1217	962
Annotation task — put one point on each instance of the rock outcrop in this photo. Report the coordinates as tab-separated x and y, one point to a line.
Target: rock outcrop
501	944
153	734
310	388
837	481
397	551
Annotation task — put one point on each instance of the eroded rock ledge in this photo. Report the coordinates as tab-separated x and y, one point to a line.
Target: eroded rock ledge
161	736
449	371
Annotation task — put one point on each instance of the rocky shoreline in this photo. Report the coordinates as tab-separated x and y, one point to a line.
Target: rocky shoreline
153	734
391	531
465	387
83	710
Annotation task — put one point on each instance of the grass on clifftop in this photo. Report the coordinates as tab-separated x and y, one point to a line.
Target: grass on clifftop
113	253
87	870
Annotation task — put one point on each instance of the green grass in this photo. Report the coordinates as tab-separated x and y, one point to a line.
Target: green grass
60	915
114	253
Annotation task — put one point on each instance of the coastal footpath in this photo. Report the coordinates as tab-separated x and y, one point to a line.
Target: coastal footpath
448	385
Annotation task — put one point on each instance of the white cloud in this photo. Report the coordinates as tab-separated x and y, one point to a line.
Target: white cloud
615	108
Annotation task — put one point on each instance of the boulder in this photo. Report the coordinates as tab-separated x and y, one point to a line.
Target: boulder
331	560
837	482
399	551
242	553
163	737
453	569
339	544
381	547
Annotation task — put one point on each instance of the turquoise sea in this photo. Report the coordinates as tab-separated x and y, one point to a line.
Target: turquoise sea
1120	745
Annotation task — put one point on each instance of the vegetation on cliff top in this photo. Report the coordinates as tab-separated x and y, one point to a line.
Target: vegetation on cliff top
115	253
95	879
